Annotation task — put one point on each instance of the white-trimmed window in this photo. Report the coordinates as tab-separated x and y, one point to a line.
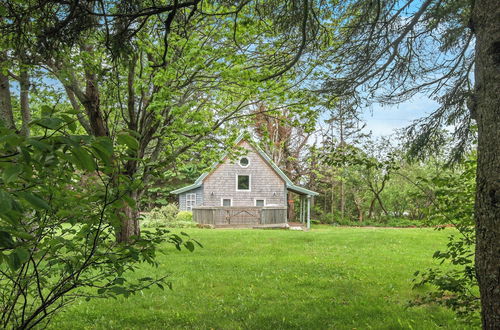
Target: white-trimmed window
243	182
227	202
244	162
190	201
260	202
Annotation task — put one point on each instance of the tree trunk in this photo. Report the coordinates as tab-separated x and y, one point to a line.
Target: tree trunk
24	86
359	208
382	205
342	197
79	113
486	22
342	146
6	115
129	223
93	107
291	209
372	207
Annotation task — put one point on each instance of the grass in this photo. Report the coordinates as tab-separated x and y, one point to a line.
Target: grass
329	278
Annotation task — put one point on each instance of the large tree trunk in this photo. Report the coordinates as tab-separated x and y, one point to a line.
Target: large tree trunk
93	107
486	19
129	222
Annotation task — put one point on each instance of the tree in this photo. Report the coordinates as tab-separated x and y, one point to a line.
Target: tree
137	105
396	49
452	201
59	196
284	133
170	96
344	129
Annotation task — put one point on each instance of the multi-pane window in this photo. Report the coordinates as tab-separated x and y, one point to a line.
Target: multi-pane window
190	201
243	182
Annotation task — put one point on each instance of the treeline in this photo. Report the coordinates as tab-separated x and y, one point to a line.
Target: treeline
378	184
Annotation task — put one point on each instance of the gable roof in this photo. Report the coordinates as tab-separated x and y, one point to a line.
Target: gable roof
289	184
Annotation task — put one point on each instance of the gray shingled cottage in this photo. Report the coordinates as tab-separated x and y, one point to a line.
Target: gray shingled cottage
248	191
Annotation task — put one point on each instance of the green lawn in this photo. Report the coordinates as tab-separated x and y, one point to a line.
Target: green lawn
335	278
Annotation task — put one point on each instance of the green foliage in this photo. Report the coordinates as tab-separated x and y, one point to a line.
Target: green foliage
167	217
160	216
185	216
59	198
455	288
336	220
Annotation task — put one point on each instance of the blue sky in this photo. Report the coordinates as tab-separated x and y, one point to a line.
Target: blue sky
384	120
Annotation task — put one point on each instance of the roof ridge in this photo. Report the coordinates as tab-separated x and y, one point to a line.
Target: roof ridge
262	153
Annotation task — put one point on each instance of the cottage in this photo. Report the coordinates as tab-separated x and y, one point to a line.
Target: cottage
250	190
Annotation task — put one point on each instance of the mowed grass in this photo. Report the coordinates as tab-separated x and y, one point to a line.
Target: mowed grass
328	278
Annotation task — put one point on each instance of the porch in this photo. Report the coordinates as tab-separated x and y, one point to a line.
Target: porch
239	216
304	207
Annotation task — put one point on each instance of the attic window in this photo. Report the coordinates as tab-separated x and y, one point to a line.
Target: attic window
244	162
243	182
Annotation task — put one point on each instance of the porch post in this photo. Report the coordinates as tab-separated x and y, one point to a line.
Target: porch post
308	212
300	209
303	215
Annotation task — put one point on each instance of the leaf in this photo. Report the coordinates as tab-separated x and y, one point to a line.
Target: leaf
6	240
128	140
11	173
72	126
33	199
5	202
39	145
17	258
46	110
23	254
16	233
13	261
119	290
50	123
189	245
83	158
104	145
104	149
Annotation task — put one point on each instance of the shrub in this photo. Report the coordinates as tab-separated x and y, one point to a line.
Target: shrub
184	216
160	216
401	222
168	216
59	199
329	218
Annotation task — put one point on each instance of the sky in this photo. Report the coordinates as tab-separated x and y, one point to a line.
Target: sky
384	120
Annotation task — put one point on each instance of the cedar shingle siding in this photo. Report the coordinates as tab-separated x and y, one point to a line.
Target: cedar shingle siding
264	182
199	198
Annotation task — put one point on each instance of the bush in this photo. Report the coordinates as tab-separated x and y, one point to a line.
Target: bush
329	218
184	216
401	222
168	216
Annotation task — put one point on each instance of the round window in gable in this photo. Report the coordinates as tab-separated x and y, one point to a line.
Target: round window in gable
244	162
